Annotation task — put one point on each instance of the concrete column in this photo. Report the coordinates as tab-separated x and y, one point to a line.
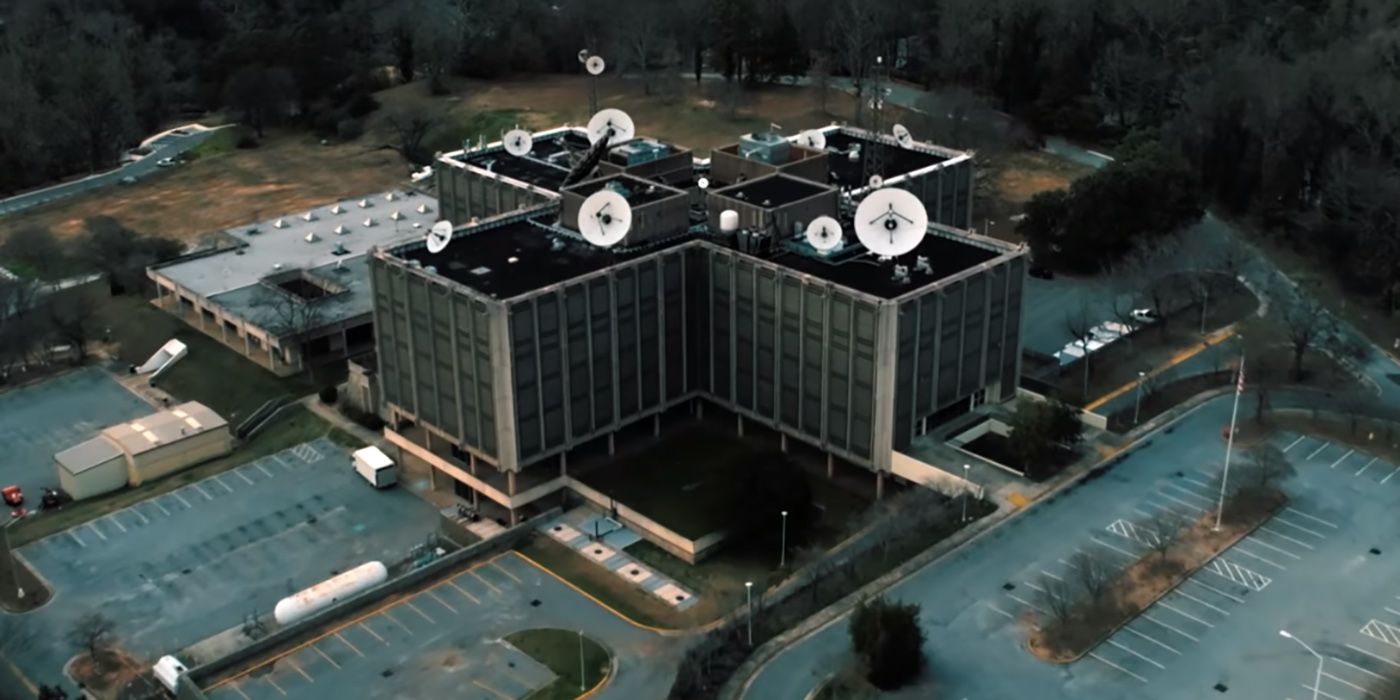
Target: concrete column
740	420
514	519
782	442
656	425
879	485
471	463
476	499
247	344
563	464
700	409
428	439
830	466
612	443
223	329
432	477
510	484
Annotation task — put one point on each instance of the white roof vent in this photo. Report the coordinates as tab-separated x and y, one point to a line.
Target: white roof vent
312	237
276	266
279	224
479	271
336	209
396	215
390	197
922	265
340	248
423	209
364	204
340	230
369	222
310	216
512	259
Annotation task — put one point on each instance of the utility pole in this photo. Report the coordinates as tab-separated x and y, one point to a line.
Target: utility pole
873	162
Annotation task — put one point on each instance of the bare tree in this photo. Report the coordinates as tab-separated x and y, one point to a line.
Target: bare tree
73	315
1304	321
92	633
1057	599
1165	527
642	21
441	30
411	129
1094	573
1079	323
1266	467
291	315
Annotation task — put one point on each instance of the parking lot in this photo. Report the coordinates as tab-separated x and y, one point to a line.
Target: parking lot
445	641
177	568
38	420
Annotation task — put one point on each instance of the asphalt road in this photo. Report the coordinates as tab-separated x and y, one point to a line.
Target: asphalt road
166	146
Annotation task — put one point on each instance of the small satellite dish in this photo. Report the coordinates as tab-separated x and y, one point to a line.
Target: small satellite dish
876	182
604	218
611	124
518	142
582	55
891	222
824	233
595	65
902	135
814	140
703	183
439	236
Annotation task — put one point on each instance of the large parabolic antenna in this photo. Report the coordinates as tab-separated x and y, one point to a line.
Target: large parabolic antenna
604	218
518	142
891	222
595	65
902	136
439	236
813	139
824	234
611	124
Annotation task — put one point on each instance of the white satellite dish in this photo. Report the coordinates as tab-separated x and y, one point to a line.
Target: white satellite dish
902	135
612	124
518	142
891	222
703	183
604	218
582	55
814	140
439	236
824	233
595	65
876	182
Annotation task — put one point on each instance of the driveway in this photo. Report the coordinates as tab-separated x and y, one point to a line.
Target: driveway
167	145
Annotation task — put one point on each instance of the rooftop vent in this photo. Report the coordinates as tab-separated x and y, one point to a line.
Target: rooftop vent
417	224
767	202
340	230
901	273
390	197
423	209
479	271
369	222
512	259
431	269
254	230
339	249
556	244
279	224
473	221
312	237
336	209
340	266
922	265
276	266
396	215
415	264
309	216
364	203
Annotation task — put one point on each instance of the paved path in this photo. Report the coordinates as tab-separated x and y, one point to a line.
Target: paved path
166	145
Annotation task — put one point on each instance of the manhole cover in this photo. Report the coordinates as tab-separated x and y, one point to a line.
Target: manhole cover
1221	687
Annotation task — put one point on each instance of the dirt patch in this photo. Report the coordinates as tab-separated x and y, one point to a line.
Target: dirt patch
112	672
1007	180
1089	622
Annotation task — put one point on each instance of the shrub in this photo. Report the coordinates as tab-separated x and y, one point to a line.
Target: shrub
369	421
329	394
350	129
361	104
889	642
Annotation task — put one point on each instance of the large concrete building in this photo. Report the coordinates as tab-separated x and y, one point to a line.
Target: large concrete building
144	449
521	345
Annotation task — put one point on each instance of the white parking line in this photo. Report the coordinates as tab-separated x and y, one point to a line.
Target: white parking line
1164	625
1170	497
1047	573
1134	653
1377	657
99	532
76	539
1321	693
118	523
1209	500
1392	611
1382	632
201	490
1202	484
1239	548
1318	450
1160	644
1343	681
144	520
1215	590
1116	666
263	469
1294	444
995	609
1024	602
1183	613
180	498
1313	518
1198	601
1280	535
1296	526
1033	587
1349	664
156	503
239	474
1391	474
1120	551
1339	459
221	483
1360	471
1255	540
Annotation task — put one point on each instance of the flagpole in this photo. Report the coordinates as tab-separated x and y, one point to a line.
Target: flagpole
1230	442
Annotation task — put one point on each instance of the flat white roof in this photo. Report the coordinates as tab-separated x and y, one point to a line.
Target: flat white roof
374	457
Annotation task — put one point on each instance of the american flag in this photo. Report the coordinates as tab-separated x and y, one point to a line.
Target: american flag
1239	385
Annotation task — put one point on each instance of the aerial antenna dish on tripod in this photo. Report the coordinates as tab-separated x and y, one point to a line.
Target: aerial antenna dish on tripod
604	218
595	65
703	183
891	222
518	142
824	234
902	135
439	236
813	139
876	182
611	124
582	55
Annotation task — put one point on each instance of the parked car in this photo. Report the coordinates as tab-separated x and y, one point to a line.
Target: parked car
1145	316
166	163
13	495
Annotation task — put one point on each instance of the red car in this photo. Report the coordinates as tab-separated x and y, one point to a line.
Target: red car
13	496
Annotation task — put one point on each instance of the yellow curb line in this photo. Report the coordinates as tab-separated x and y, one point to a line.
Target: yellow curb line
1212	339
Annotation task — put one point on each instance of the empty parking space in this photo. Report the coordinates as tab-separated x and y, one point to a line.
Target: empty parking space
442	641
1315	453
174	569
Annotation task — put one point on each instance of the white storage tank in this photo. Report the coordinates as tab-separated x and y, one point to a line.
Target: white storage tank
305	603
729	221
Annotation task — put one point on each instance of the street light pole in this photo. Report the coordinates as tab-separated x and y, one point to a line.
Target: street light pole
782	558
1137	404
10	566
748	588
966	469
582	670
1317	680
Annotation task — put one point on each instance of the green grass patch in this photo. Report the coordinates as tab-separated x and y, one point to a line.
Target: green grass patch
488	124
345	439
294	426
218	143
607	587
561	651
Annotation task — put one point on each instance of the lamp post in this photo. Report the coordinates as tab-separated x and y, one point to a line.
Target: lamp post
9	566
1137	403
782	557
966	469
1317	680
748	588
582	670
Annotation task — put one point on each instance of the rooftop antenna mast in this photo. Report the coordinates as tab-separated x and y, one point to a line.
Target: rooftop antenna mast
873	163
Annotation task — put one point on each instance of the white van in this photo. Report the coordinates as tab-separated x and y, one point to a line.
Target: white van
376	467
168	671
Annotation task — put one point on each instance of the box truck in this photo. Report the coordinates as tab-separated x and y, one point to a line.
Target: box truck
376	467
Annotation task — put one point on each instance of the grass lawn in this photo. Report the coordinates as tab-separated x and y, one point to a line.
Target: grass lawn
295	426
345	439
220	142
211	373
559	651
1009	179
606	586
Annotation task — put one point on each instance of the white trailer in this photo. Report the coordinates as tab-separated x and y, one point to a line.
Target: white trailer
376	467
168	671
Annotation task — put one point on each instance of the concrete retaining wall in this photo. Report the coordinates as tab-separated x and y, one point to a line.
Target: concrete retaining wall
1088	418
212	670
678	545
932	477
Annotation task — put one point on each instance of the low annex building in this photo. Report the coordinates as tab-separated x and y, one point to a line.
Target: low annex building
130	454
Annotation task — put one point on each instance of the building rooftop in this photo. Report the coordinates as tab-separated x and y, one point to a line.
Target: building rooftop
545	166
86	455
948	253
636	190
165	427
774	190
347	297
898	160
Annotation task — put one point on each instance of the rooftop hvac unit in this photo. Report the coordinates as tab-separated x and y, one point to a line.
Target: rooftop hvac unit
423	209
276	266
901	273
369	222
390	197
556	244
340	230
764	146
336	209
279	224
253	231
339	249
921	264
431	269
312	237
728	221
396	215
640	151
364	203
309	216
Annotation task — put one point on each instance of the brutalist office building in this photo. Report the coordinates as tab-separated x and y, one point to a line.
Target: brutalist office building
521	345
